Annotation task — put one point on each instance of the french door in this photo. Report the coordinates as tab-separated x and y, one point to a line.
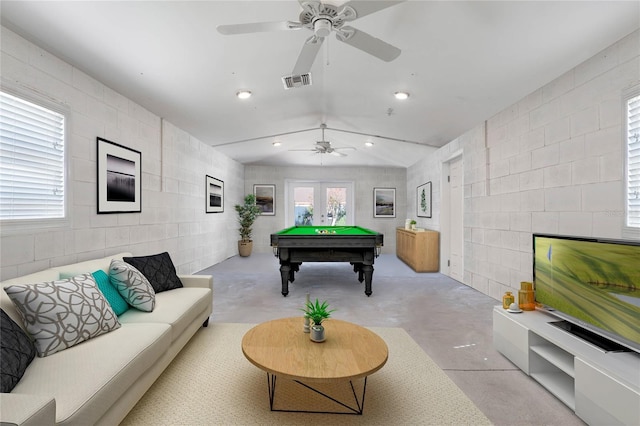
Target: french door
319	203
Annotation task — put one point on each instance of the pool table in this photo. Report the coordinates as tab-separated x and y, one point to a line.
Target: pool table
354	244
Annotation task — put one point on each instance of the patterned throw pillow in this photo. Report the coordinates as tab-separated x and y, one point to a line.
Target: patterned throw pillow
158	269
118	304
132	285
61	314
16	352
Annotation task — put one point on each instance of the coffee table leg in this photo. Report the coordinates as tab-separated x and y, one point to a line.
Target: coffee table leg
358	409
271	384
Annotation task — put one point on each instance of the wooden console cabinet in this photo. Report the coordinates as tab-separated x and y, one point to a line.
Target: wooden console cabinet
419	250
603	388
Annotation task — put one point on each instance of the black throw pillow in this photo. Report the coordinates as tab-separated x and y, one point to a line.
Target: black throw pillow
16	352
158	269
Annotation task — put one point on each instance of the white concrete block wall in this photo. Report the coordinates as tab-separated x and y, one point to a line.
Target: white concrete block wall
364	179
550	163
174	165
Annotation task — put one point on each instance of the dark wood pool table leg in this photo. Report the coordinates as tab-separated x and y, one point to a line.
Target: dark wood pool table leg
285	272
368	274
288	274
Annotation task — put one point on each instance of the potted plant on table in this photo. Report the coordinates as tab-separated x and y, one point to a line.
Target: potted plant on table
413	224
247	214
317	312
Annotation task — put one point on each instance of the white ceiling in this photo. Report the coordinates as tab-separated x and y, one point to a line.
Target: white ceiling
461	61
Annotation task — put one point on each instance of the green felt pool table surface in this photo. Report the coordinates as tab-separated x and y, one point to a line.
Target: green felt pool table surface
326	230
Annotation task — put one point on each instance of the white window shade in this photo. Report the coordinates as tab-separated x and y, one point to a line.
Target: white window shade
633	162
32	165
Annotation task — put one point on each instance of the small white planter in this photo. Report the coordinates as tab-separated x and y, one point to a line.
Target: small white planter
317	333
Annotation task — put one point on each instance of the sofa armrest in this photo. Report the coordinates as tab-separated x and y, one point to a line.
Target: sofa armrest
203	281
27	410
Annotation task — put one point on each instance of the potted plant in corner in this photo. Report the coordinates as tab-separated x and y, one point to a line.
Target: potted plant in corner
317	313
247	214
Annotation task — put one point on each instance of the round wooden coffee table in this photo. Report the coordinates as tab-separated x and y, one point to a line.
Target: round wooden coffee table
282	349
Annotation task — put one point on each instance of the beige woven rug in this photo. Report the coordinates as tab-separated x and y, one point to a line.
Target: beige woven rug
211	383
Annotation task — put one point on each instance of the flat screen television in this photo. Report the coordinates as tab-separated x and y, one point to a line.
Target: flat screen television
593	285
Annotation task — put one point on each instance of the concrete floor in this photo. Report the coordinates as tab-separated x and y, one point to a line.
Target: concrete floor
450	321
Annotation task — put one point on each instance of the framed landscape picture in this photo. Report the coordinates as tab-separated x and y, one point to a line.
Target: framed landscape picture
384	202
214	194
423	200
265	199
119	178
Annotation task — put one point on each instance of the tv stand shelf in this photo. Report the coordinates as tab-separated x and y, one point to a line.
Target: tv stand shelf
603	388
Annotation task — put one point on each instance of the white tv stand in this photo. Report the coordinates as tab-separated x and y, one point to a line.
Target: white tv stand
603	388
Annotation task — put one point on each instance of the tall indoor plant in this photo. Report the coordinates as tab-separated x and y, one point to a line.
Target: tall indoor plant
247	214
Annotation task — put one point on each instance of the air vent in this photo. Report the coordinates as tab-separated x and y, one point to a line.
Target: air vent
291	81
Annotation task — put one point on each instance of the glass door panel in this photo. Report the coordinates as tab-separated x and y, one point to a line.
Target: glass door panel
303	202
336	198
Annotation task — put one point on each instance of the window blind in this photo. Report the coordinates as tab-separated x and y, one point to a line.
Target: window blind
633	162
31	160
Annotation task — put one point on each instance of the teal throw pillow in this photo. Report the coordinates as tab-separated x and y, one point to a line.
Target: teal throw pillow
118	304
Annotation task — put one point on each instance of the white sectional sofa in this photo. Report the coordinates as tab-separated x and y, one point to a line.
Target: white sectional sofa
101	379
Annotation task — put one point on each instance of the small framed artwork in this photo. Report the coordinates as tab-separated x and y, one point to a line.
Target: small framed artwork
423	200
119	178
384	202
214	194
265	199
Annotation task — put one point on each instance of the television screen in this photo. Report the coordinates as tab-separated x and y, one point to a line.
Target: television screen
592	282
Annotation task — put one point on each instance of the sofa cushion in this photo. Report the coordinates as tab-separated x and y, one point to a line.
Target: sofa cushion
158	269
60	314
16	352
132	285
118	304
178	308
87	379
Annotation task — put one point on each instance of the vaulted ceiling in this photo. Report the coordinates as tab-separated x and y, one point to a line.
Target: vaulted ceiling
460	61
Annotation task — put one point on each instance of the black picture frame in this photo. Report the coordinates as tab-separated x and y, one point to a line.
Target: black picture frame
214	195
119	178
384	202
265	198
423	200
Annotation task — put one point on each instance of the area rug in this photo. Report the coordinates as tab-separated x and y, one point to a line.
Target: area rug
211	383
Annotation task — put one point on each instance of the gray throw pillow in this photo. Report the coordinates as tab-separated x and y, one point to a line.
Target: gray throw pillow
16	352
132	285
158	269
61	314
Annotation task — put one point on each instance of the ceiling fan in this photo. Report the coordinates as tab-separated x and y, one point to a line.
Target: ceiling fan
322	19
324	147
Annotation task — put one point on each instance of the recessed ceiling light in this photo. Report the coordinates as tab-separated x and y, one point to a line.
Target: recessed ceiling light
243	94
276	143
401	95
369	144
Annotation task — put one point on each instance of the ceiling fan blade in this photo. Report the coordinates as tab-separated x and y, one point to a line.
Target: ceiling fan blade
368	43
364	8
258	27
307	55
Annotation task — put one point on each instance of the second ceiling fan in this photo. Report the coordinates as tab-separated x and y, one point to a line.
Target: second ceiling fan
325	147
322	19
